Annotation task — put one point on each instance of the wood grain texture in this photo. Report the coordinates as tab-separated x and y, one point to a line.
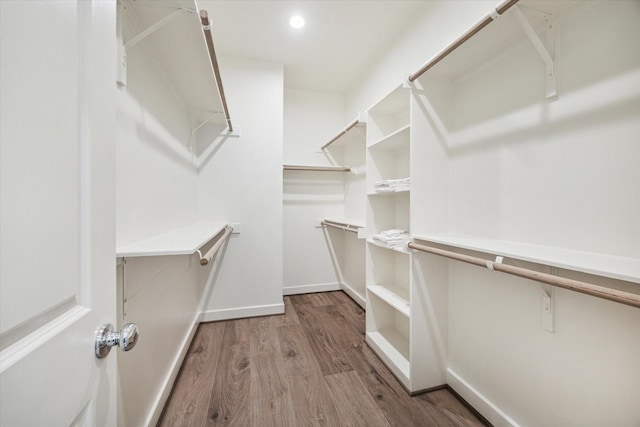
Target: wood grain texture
323	342
230	392
308	367
190	394
311	400
354	407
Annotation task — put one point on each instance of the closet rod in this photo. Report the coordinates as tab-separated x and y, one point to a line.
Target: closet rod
345	227
550	279
503	7
206	29
317	168
204	260
345	130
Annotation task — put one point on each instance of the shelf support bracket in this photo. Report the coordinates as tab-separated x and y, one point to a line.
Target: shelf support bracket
153	28
545	53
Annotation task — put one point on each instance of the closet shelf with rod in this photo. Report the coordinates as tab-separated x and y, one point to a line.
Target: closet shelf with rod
345	226
347	131
621	268
177	37
183	241
317	168
500	9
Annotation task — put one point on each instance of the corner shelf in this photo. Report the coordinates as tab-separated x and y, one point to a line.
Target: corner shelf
615	267
399	249
183	241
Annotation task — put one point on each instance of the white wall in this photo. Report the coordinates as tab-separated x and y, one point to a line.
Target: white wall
156	192
240	181
310	120
562	173
156	180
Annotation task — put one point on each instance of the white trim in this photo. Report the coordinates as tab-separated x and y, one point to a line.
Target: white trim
360	299
241	312
479	402
307	289
167	386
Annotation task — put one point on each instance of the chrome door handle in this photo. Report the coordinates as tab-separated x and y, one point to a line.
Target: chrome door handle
106	338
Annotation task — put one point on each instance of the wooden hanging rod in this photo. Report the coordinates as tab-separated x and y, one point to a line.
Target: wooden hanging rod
503	7
615	295
341	226
206	29
206	259
317	168
342	132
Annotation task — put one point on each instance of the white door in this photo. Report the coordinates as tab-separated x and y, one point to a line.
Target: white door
57	258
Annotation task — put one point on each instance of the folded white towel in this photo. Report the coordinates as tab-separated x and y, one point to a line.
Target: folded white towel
392	238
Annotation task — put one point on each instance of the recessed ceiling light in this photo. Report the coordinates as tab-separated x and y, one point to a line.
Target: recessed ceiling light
296	21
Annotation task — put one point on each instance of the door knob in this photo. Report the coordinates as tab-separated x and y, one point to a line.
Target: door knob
106	338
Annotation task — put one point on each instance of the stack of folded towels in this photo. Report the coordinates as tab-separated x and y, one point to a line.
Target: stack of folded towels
392	185
393	238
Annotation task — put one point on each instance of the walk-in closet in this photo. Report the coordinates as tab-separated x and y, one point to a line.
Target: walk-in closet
287	213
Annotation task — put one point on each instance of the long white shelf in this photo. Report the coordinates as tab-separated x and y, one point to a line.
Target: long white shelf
183	241
395	296
615	267
180	48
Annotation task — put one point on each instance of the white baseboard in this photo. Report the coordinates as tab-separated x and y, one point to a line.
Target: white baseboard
479	402
241	312
307	289
167	385
360	299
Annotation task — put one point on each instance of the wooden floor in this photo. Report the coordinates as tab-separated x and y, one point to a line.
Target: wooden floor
307	367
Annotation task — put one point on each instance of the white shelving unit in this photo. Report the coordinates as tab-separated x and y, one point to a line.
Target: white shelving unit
396	327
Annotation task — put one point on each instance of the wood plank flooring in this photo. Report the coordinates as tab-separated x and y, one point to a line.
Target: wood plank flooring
308	367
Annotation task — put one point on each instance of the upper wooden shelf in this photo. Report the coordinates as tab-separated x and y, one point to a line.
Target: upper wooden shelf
183	241
615	267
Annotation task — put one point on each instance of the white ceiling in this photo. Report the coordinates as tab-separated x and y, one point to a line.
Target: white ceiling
340	40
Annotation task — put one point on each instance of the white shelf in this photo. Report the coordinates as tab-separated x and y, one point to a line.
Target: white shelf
399	249
183	241
180	48
615	267
497	38
393	349
395	296
389	193
396	140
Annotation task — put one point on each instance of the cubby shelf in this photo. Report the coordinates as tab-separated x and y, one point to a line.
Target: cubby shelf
399	249
615	267
393	349
396	140
396	296
388	193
